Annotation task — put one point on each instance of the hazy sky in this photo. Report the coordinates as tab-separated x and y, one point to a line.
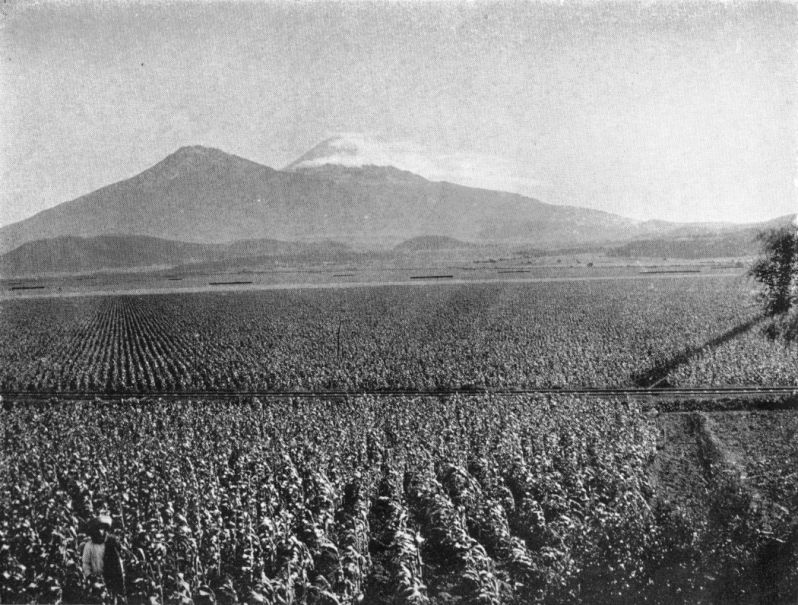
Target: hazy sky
680	111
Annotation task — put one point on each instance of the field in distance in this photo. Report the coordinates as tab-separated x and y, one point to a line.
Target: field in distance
477	264
691	331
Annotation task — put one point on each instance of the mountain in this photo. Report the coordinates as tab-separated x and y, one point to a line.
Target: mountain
72	254
206	196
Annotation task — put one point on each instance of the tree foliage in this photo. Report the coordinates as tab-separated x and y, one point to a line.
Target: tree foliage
777	269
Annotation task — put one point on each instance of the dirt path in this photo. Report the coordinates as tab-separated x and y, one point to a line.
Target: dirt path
678	473
757	449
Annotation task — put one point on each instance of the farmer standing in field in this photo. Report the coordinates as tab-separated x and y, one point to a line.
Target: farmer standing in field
102	556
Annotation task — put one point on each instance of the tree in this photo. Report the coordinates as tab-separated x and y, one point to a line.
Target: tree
777	269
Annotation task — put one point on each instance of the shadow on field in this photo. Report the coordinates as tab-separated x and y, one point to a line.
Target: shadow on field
657	375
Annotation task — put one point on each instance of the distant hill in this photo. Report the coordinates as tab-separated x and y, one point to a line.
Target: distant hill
75	254
723	243
431	242
78	254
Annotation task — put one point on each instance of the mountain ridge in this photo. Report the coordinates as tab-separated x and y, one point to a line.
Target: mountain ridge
204	195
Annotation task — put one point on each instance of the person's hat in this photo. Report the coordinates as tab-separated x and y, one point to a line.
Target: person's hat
101	521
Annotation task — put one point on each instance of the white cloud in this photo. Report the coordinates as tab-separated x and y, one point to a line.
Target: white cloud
471	169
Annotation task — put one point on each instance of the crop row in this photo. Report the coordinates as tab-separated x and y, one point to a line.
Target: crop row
601	333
